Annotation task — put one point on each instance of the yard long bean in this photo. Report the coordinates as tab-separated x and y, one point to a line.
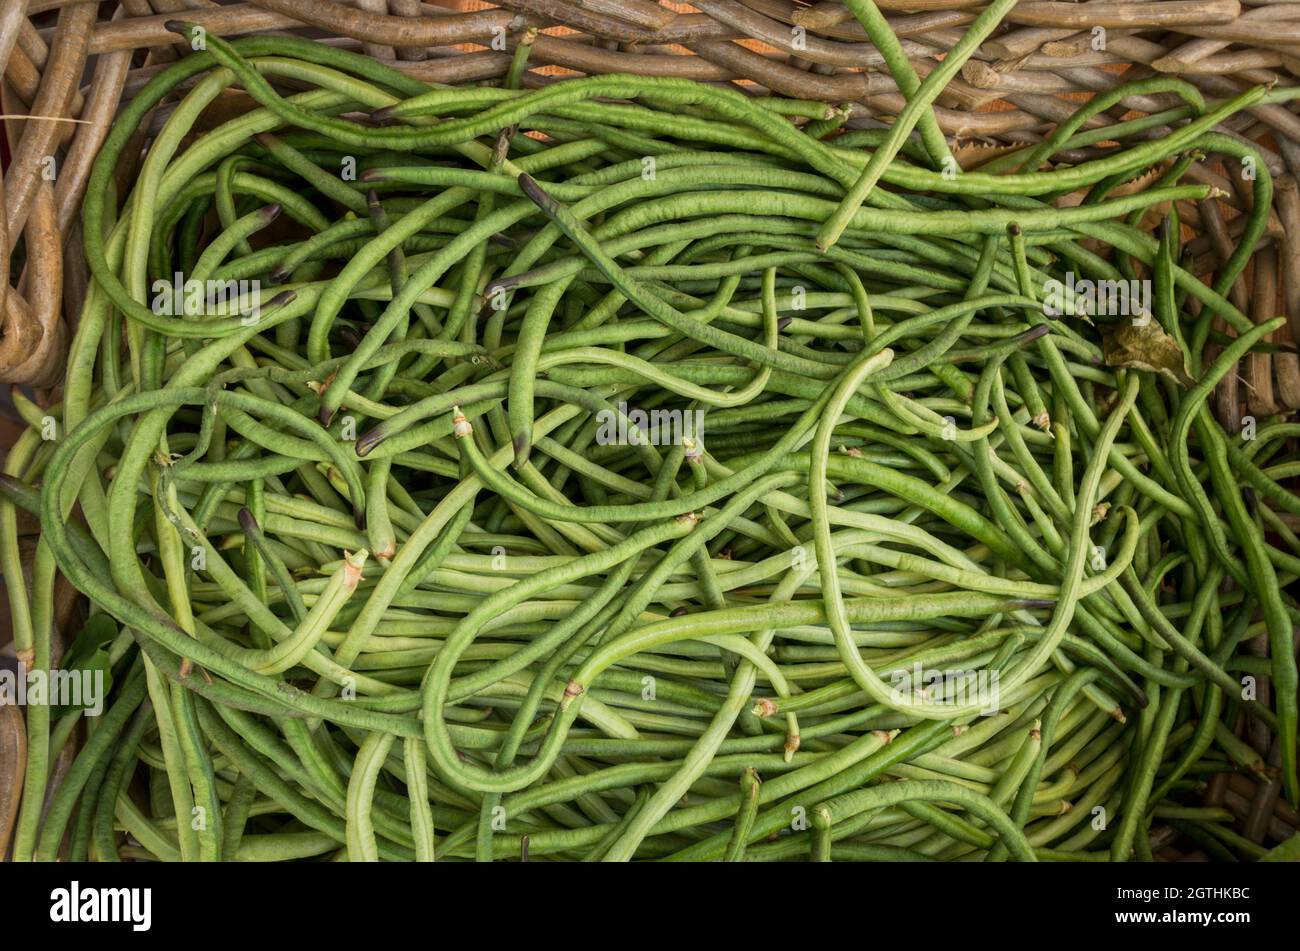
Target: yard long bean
663	472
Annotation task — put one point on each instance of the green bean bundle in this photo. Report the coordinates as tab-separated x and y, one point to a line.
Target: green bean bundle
632	469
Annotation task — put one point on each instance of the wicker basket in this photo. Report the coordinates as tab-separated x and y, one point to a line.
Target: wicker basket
69	65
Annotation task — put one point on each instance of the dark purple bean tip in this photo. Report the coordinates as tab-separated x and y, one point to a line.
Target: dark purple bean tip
1013	229
271	212
177	26
247	522
372	175
523	448
1030	604
326	416
784	322
372	198
535	193
676	612
369	440
1032	334
383	115
282	299
1250	498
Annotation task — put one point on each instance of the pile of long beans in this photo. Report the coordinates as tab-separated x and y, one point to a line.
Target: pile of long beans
389	557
